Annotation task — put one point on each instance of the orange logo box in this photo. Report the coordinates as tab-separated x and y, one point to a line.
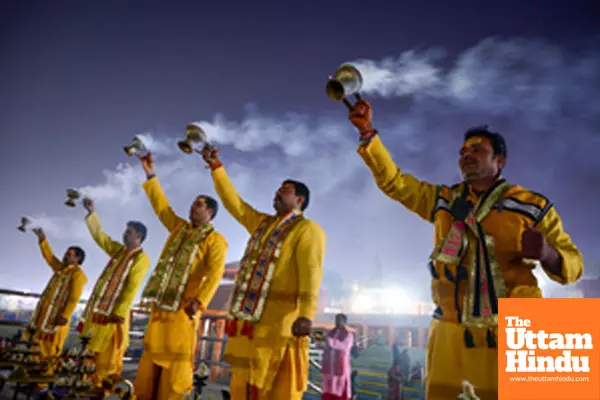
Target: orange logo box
549	349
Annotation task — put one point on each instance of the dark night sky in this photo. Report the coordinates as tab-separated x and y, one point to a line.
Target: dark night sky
78	81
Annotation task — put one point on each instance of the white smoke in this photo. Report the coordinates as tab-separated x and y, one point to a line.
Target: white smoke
532	91
163	146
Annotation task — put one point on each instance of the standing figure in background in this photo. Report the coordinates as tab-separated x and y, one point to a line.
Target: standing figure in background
181	286
53	312
276	291
106	317
417	373
336	370
398	373
489	236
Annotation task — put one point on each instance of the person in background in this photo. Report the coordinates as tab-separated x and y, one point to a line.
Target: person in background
337	383
417	372
398	373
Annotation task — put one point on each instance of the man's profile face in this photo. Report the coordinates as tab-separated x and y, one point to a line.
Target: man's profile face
477	159
70	257
286	199
199	211
130	235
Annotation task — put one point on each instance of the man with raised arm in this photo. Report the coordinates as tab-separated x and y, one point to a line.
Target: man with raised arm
489	236
276	291
182	285
106	317
53	312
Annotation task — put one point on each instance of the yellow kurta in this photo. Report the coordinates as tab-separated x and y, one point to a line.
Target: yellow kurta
170	339
449	358
110	341
273	360
51	345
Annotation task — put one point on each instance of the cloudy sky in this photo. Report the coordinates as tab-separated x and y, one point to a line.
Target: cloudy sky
79	81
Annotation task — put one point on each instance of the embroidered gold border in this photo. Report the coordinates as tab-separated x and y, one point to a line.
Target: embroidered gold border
251	258
62	279
157	282
247	264
160	281
92	300
181	287
98	298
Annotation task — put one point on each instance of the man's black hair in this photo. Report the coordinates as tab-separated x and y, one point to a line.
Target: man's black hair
139	228
79	253
497	140
342	316
301	190
211	204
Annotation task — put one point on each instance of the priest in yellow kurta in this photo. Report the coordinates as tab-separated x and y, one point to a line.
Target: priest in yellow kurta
276	292
183	283
489	236
106	318
52	314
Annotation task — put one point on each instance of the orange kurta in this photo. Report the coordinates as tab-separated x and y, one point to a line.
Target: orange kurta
170	339
51	344
455	353
272	360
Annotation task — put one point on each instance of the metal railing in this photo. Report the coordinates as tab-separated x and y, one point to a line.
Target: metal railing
210	336
311	384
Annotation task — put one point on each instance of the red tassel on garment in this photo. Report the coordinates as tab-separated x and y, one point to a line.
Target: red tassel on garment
231	327
248	330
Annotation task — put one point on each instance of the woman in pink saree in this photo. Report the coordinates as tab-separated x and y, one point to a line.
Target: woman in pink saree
336	362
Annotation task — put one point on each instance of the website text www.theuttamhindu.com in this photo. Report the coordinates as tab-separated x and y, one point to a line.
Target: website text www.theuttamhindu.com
549	379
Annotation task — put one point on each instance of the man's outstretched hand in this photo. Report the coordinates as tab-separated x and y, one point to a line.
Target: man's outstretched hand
39	232
147	163
360	116
210	155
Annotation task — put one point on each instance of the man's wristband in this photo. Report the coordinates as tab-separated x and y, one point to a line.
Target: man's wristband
216	164
367	135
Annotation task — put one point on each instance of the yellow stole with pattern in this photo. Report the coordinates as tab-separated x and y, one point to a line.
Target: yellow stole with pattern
109	286
52	302
168	280
257	267
466	244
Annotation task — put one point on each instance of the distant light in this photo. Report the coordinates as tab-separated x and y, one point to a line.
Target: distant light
391	300
363	303
395	299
